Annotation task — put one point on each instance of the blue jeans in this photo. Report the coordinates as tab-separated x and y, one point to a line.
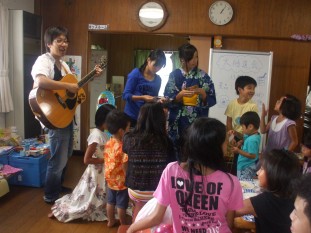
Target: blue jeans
120	198
61	147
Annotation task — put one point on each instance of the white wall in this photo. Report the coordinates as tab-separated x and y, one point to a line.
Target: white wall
26	5
2	120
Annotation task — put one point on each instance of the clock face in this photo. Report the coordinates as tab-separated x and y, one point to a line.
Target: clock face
220	12
152	15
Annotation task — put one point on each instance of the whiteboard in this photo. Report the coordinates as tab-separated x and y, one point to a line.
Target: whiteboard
224	68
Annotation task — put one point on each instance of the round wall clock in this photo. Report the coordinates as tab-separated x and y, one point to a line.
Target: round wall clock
220	12
152	15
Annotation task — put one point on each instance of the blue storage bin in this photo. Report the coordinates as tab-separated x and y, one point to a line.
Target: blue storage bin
4	154
4	159
34	169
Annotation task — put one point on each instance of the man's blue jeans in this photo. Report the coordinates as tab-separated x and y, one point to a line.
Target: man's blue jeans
61	146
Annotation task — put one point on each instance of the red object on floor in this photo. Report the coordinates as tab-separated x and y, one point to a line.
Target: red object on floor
123	229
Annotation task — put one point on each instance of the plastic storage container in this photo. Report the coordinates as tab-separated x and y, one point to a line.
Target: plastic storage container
4	159
34	169
5	151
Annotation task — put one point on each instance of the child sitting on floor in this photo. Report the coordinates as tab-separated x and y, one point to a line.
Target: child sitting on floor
202	196
306	152
301	215
279	171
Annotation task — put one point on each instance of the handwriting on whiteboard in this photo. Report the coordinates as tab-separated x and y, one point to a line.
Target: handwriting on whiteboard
239	64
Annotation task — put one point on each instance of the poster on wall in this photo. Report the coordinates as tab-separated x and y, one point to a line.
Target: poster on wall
98	84
75	63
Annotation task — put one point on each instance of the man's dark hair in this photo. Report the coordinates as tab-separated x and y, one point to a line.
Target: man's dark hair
52	33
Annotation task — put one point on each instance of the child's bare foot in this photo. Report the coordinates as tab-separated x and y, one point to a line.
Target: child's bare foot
51	215
113	223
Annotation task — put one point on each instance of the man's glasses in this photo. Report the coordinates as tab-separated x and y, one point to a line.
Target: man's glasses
61	41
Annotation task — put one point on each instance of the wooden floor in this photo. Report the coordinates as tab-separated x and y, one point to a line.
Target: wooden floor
23	210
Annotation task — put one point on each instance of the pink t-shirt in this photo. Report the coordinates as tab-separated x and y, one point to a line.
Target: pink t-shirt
213	196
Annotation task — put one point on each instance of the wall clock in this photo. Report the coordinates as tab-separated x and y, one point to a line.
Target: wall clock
152	15
220	12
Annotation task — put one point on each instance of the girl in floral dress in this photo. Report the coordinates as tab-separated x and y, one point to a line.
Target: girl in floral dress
88	199
192	91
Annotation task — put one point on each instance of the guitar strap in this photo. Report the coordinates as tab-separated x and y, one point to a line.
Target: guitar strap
57	74
66	71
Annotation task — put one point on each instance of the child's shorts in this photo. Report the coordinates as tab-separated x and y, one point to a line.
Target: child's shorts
247	173
119	198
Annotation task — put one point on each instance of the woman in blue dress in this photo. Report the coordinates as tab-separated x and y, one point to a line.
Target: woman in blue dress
192	91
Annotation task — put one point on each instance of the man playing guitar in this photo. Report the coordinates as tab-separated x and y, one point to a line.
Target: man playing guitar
47	72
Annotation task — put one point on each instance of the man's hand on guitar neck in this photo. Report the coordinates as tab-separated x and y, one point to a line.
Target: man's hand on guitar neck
99	71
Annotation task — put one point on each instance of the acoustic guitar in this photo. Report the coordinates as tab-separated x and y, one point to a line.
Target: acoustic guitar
56	108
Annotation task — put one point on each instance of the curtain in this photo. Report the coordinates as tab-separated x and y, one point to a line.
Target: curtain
6	103
175	60
140	57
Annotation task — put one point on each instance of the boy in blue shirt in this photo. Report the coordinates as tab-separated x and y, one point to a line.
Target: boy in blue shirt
248	154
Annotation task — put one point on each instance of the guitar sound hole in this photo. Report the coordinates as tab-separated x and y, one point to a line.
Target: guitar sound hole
70	94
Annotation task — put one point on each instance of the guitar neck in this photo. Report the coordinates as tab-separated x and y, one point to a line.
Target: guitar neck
87	78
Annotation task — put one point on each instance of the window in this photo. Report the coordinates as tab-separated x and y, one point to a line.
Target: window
165	72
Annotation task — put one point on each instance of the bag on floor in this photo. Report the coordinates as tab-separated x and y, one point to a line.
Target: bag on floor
148	208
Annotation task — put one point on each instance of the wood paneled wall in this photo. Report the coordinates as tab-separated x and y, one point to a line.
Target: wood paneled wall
264	18
121	48
263	25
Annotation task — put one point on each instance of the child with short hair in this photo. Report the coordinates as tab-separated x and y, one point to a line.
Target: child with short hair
118	123
282	133
248	155
203	197
301	215
279	171
245	88
306	152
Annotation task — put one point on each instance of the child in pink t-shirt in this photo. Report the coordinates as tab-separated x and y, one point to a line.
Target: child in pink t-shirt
203	197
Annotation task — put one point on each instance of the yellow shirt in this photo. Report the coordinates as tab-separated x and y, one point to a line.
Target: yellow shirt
235	110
